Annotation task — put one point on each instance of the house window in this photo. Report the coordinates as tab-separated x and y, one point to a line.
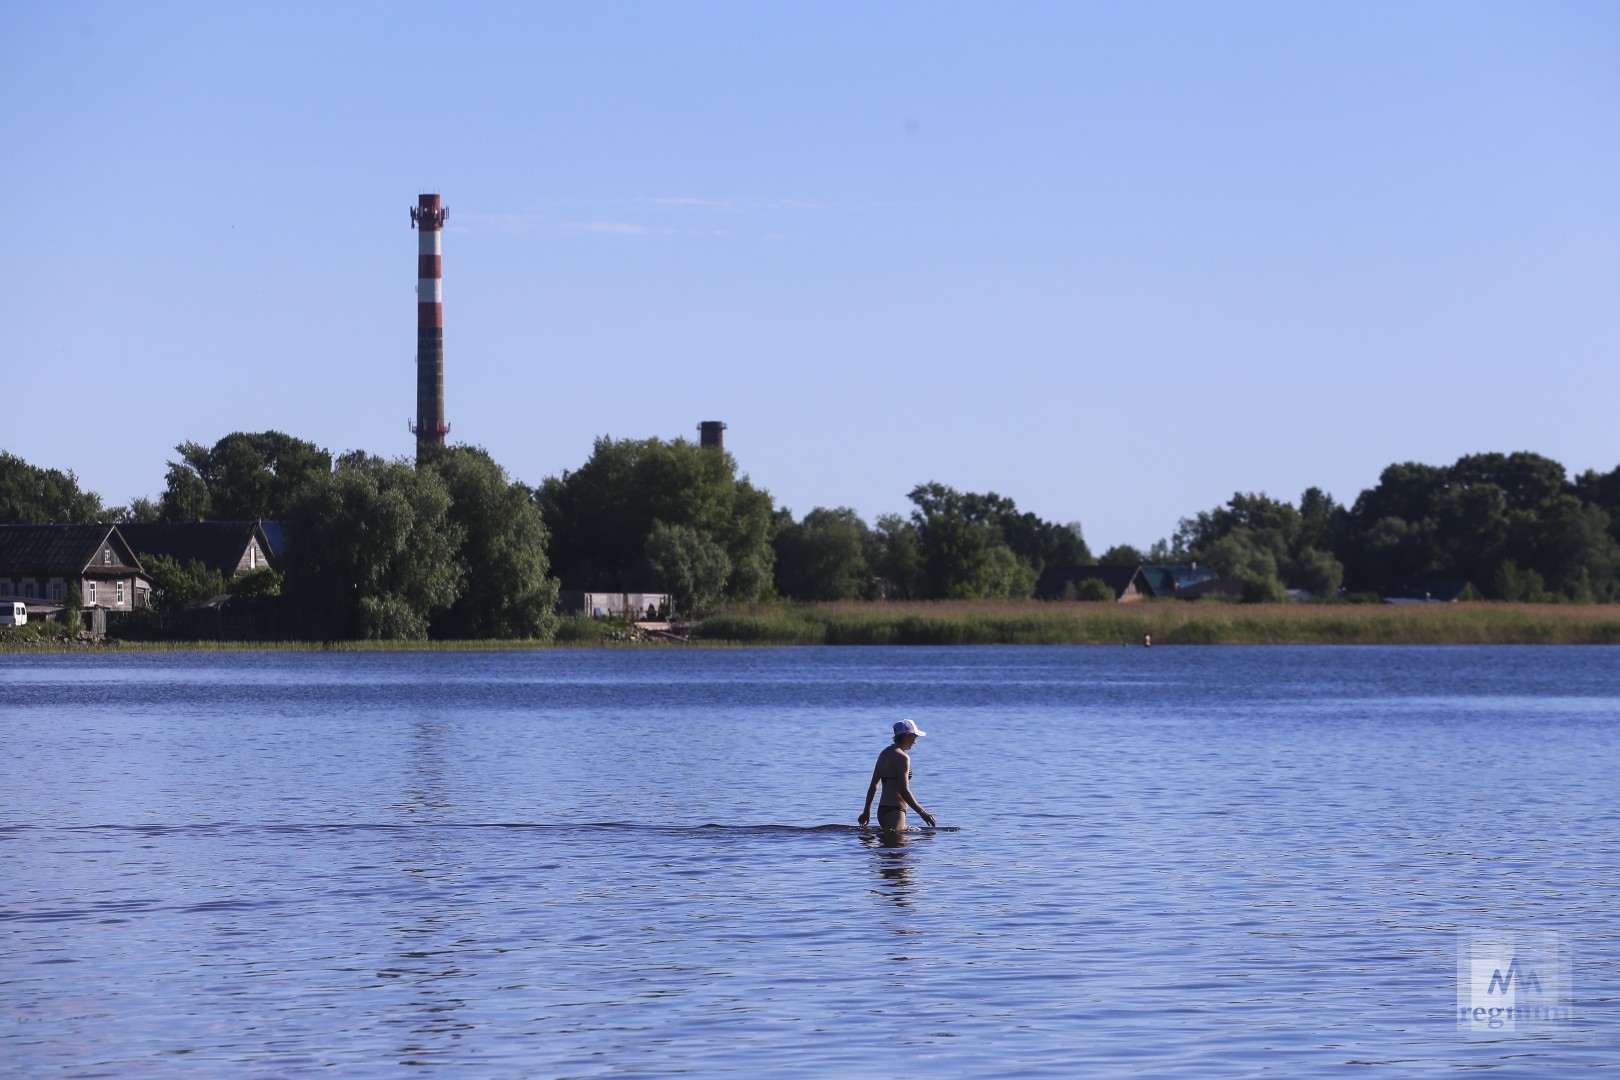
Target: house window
253	557
56	590
90	589
120	594
28	589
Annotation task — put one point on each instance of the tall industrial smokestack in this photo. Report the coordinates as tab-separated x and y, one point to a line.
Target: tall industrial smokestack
712	433
427	217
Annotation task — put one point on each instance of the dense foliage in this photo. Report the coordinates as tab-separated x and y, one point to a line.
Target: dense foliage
242	477
1511	526
371	549
33	496
454	548
500	552
175	585
645	514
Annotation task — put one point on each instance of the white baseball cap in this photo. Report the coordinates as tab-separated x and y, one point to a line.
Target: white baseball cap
908	727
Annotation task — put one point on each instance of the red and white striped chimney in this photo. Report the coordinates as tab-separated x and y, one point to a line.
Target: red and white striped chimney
427	217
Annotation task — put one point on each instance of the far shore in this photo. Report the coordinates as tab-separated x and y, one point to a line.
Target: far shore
1021	622
1165	622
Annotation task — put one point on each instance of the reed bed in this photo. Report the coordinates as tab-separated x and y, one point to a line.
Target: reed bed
1033	622
1023	622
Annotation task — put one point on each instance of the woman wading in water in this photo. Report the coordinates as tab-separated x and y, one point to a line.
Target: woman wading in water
893	770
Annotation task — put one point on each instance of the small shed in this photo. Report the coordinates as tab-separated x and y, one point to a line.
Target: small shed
622	605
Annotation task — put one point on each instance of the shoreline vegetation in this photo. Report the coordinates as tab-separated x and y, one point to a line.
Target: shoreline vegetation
1169	622
1009	622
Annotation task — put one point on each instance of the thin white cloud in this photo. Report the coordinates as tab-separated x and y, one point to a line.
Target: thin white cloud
501	223
729	206
686	202
607	228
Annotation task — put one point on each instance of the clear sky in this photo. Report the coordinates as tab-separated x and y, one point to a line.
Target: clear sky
1115	261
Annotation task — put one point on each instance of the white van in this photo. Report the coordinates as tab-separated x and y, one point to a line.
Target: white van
13	613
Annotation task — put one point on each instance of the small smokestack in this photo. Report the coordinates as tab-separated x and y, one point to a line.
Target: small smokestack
712	433
427	217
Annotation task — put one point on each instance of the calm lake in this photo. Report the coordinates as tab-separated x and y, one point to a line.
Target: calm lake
1155	862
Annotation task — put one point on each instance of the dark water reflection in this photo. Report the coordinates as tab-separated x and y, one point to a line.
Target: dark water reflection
1183	862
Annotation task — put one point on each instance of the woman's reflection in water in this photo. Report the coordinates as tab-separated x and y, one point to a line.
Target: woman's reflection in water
894	864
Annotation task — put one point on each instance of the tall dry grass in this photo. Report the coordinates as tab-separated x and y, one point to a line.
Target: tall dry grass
1031	622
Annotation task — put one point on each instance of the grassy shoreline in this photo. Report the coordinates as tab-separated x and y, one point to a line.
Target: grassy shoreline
1033	622
1023	622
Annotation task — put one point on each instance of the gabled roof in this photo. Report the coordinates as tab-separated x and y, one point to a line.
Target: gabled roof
1053	579
60	550
1167	579
277	536
218	545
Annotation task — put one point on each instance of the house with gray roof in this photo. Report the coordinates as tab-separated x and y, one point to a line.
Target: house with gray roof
231	547
41	563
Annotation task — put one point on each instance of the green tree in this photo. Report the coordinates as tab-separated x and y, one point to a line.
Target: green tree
1602	490
1520	586
601	516
1121	555
1321	520
30	495
1095	590
1569	545
174	585
956	557
1033	540
242	477
1270	524
895	555
372	548
1315	571
140	511
962	538
1471	527
688	564
1395	556
1404	491
264	581
1526	480
1251	557
823	557
1007	576
502	553
185	495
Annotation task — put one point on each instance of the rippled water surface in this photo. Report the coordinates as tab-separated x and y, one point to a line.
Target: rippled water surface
1226	861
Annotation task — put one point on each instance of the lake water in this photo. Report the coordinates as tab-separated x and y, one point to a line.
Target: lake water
1156	862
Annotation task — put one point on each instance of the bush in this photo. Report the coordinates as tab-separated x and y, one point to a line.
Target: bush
1095	590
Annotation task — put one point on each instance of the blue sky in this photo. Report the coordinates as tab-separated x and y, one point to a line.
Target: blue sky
1113	261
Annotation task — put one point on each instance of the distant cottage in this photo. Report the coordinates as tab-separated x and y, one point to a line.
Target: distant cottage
1184	581
231	547
44	562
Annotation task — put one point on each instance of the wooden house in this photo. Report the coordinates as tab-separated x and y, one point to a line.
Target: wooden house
43	562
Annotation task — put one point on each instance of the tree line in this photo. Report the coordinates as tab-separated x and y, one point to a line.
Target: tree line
453	547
